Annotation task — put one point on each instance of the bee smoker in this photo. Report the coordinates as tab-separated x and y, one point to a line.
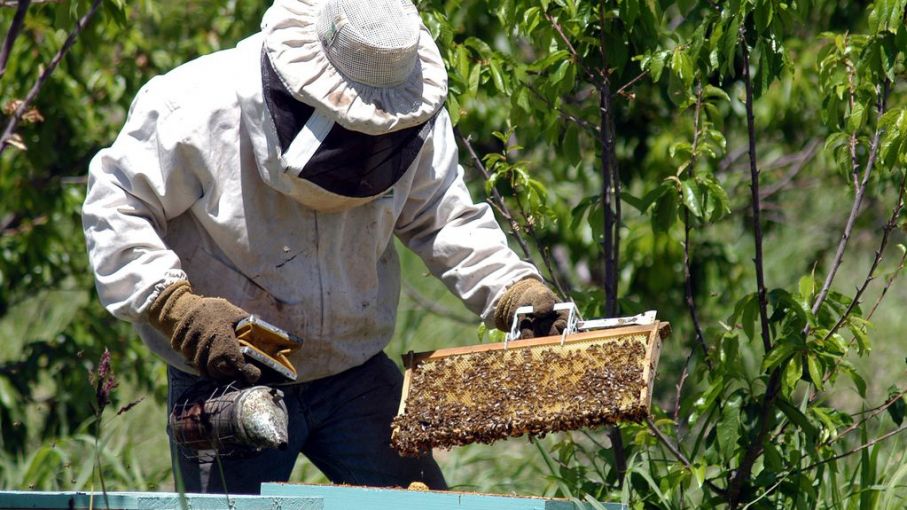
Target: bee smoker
233	420
229	420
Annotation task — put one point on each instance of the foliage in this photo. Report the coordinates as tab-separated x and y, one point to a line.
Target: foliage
738	165
691	88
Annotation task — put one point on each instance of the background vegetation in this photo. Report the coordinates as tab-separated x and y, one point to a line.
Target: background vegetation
737	165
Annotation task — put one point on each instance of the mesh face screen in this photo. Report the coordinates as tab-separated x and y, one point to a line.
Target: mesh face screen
490	395
371	42
383	23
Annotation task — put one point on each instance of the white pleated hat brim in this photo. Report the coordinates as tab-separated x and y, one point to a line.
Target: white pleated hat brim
295	50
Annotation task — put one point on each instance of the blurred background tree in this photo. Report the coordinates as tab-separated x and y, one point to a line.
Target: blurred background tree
736	165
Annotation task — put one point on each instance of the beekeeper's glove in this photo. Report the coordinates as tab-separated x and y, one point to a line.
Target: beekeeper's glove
203	330
543	321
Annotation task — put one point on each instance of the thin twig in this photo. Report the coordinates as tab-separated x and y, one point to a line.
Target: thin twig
687	265
675	451
886	231
630	83
592	129
496	199
670	446
857	203
545	254
15	27
55	61
870	275
574	54
868	415
731	159
683	377
888	282
853	450
432	306
797	161
785	474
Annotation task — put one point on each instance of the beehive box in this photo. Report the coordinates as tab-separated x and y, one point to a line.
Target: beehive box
482	393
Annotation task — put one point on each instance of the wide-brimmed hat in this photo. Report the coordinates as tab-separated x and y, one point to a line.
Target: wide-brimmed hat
369	65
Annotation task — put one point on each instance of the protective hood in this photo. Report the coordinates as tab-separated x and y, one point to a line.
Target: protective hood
304	154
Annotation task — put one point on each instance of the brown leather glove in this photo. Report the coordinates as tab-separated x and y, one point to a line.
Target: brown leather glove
543	321
202	329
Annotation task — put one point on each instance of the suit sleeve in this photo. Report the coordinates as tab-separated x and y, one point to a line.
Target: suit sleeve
459	240
134	187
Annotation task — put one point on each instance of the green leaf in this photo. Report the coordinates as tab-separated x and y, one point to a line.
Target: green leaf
657	64
857	379
815	371
665	212
713	92
807	288
856	118
793	372
763	14
560	72
717	203
698	471
750	312
780	353
797	418
682	66
474	74
453	108
692	199
494	67
728	428
571	144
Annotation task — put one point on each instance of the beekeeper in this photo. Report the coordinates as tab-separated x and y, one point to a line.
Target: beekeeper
271	179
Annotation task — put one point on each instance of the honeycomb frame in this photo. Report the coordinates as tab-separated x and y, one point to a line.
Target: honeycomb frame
486	392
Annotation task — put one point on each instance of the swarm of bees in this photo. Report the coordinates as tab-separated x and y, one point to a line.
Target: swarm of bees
481	397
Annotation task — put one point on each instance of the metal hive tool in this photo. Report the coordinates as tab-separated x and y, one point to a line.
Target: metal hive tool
482	393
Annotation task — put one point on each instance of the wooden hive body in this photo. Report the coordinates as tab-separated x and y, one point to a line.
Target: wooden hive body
485	392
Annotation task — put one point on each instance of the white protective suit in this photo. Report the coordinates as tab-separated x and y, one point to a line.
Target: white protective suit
193	187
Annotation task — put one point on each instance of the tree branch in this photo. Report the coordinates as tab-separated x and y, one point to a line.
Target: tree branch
42	79
592	129
743	472
886	232
15	27
870	276
603	74
610	192
857	201
754	188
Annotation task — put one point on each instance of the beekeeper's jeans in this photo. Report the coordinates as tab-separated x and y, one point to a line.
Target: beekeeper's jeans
340	423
